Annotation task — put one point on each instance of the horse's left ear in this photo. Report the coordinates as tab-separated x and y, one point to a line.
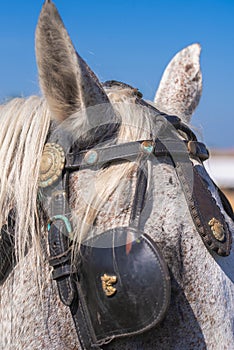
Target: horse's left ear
67	82
180	88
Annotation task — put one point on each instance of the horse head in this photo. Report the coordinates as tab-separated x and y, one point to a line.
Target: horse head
138	241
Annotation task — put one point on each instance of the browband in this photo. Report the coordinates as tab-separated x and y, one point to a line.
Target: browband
130	151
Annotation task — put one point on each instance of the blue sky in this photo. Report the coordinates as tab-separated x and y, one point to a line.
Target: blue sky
132	41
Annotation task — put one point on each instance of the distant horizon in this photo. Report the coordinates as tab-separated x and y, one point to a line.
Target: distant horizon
132	41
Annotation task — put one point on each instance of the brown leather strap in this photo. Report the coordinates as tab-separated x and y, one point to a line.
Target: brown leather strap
204	210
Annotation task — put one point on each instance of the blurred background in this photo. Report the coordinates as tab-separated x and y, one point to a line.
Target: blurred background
221	168
133	41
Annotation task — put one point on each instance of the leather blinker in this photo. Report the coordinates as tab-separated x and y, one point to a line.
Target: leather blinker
122	292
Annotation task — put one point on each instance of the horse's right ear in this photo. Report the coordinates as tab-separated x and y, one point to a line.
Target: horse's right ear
68	84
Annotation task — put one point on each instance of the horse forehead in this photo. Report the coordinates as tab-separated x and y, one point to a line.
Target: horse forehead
118	91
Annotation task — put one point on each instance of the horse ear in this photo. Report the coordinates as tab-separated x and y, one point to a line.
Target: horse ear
180	88
68	84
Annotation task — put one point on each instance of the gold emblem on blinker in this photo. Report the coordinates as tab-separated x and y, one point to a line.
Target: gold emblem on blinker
217	229
107	284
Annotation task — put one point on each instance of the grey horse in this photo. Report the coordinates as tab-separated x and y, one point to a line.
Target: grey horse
200	314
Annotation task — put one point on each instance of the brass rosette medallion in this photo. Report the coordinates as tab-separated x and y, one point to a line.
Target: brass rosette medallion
52	164
217	229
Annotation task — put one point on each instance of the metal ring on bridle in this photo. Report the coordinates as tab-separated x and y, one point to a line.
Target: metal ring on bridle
52	164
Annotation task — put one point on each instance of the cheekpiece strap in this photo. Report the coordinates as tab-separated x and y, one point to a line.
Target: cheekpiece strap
206	214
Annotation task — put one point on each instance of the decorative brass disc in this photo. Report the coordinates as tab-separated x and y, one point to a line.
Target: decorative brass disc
217	229
52	164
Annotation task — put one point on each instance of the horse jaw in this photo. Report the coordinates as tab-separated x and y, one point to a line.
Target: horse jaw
180	88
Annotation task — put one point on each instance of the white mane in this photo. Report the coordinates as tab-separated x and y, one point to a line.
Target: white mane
24	126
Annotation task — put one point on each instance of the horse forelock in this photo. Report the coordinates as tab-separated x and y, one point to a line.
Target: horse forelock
104	184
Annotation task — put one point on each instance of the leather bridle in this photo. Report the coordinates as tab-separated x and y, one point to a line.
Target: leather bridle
54	194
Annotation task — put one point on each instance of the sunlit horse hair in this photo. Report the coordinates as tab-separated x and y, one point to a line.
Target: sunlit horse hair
24	127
